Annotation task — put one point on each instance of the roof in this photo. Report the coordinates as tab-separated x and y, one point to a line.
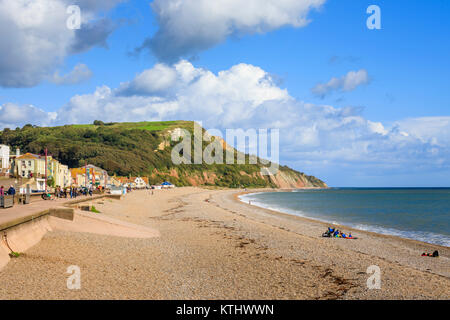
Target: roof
165	183
91	166
29	156
76	171
131	179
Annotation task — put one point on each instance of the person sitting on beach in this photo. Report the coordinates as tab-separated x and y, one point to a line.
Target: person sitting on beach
336	233
328	233
350	235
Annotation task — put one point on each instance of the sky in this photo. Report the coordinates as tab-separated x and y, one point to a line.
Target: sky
355	106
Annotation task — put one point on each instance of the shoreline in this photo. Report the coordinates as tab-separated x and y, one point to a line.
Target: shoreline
212	246
326	223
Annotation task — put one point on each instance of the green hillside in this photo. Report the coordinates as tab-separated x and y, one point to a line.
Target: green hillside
142	148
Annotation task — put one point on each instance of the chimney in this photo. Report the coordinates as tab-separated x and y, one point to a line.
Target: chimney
17	152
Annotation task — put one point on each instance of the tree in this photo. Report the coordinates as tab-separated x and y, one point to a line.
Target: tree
51	182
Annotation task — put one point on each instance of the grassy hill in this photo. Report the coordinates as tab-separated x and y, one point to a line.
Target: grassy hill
142	148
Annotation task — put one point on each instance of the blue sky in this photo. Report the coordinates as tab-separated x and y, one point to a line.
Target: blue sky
406	62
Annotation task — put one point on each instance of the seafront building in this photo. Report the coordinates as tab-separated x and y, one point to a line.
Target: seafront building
33	169
134	182
63	176
78	177
89	175
4	161
114	181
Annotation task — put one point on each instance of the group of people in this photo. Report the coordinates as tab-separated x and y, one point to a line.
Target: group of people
72	192
335	233
60	192
75	192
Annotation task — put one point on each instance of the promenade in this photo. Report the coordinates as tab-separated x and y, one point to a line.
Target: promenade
21	213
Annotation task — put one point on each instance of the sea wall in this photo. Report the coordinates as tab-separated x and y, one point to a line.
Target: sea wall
22	236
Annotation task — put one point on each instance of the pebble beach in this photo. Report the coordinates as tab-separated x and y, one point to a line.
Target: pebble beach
206	244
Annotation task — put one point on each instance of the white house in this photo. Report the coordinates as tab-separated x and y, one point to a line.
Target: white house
4	160
141	183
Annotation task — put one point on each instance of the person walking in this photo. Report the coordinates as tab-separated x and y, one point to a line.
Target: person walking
2	191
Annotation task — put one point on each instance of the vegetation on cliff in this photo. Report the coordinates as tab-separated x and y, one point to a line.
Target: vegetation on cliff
141	148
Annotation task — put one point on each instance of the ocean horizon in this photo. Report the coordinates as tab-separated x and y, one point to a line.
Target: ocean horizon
418	213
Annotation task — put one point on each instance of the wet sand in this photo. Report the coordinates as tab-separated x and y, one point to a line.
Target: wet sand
211	246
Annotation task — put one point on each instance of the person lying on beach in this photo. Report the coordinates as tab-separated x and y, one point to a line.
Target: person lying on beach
336	234
435	254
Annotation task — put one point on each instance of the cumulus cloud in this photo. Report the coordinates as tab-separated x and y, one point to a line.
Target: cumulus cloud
35	39
80	73
151	81
189	26
348	82
180	91
247	97
13	115
432	130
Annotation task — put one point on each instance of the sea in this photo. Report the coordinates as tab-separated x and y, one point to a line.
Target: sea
415	213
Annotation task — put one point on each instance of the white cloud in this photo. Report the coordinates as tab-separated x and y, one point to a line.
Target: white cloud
246	97
35	40
434	130
13	115
79	73
349	82
151	81
189	26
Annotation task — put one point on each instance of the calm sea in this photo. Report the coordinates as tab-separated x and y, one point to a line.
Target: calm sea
414	213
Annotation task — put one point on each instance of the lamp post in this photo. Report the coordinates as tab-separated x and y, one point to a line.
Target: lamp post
45	170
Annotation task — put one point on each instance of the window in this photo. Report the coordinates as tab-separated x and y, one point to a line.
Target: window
29	163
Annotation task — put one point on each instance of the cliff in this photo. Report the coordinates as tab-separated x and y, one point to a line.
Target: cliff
145	149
